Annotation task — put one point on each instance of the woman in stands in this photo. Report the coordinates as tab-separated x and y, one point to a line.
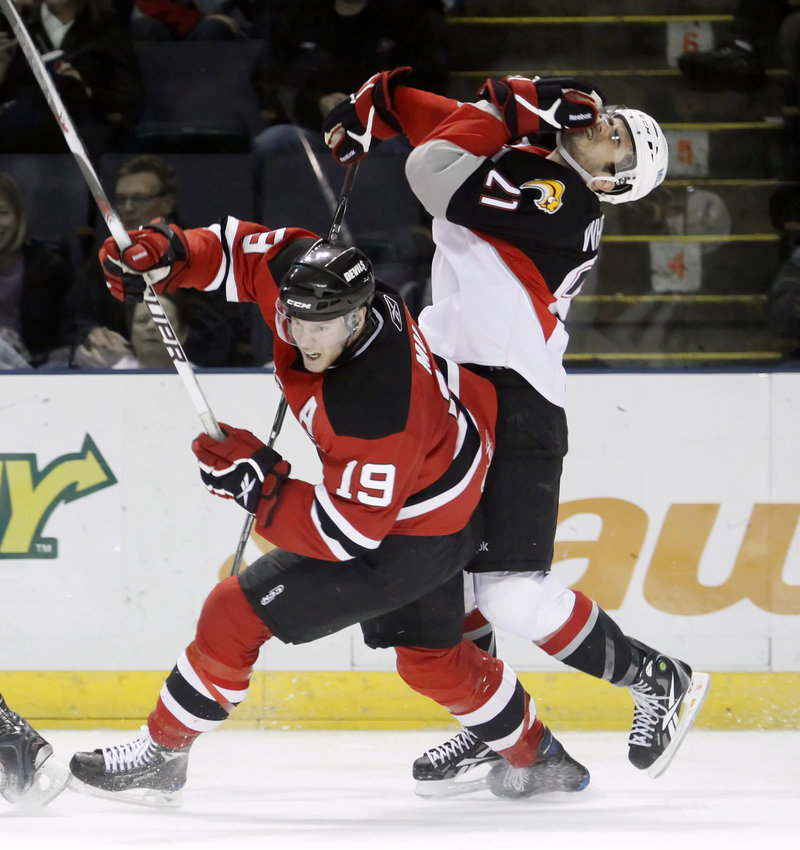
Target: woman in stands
35	278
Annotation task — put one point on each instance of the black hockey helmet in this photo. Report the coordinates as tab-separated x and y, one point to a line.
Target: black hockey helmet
326	282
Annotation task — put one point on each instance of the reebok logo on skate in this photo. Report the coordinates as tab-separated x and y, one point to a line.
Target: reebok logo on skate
670	718
276	591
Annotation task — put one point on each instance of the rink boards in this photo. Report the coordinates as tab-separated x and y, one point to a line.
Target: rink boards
679	513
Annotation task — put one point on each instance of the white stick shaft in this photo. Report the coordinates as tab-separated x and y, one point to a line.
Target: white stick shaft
110	216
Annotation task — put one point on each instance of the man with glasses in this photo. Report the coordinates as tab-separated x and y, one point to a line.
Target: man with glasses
145	189
517	229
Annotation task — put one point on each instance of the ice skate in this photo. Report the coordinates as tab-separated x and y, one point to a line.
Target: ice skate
667	697
553	770
442	771
140	772
29	777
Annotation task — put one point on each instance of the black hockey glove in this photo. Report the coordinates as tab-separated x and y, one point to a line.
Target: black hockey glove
348	139
159	252
242	468
542	103
366	118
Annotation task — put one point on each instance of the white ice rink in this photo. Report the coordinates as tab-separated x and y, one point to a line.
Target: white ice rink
329	790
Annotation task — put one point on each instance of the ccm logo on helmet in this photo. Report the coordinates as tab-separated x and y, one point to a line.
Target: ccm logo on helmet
302	304
357	269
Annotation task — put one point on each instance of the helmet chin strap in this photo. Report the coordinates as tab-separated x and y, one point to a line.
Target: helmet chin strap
573	163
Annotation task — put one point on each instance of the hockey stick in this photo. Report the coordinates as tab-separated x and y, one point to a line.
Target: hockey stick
110	216
333	236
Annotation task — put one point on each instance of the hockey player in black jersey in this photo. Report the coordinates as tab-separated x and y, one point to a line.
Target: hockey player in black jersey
517	229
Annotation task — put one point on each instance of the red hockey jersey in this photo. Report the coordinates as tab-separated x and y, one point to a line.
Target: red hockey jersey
405	438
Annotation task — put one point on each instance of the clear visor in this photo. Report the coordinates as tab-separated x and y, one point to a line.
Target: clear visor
317	335
622	140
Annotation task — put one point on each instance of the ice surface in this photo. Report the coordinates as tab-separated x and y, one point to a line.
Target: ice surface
293	790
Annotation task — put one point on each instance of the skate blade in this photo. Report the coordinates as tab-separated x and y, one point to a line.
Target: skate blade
50	780
438	789
471	780
692	703
148	797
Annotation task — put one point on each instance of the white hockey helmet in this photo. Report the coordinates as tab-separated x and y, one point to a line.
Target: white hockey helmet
642	172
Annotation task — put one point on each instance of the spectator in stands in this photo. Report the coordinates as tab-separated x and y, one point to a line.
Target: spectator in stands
323	49
186	20
737	62
320	50
146	188
148	349
95	72
783	302
35	278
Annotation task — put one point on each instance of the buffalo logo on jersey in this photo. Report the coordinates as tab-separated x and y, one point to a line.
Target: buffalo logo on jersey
550	193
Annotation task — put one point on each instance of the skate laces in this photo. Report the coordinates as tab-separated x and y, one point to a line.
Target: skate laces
10	721
133	754
648	711
514	778
456	746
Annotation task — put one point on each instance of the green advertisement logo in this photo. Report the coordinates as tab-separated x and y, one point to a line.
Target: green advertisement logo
28	496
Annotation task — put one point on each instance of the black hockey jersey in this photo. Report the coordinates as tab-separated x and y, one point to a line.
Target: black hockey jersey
516	234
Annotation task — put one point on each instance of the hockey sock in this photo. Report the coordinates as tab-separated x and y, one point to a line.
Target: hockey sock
523	752
212	677
590	641
480	631
481	693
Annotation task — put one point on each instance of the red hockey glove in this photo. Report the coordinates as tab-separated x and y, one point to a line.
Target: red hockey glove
542	103
365	119
159	256
242	468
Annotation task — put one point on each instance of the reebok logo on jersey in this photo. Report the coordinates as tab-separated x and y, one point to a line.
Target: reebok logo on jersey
276	591
394	312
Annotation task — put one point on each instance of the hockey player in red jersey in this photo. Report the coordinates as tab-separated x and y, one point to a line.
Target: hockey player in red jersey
517	229
405	440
